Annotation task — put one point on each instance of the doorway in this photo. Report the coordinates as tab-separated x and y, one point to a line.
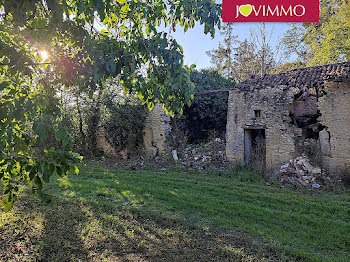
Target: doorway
255	147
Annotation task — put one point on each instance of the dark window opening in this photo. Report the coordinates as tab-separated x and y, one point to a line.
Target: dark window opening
257	113
310	133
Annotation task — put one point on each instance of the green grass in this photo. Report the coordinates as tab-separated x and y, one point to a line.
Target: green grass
117	215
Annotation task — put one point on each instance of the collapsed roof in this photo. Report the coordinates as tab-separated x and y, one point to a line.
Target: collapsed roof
302	77
306	81
303	81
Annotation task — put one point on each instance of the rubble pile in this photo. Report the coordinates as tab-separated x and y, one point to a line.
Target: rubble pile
301	172
204	156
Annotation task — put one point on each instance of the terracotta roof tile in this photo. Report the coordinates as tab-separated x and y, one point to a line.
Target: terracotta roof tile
303	77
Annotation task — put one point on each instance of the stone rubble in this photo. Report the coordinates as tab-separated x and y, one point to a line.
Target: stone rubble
301	172
174	154
204	156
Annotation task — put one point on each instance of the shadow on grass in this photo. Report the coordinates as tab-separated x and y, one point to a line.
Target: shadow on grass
98	229
43	232
61	240
127	216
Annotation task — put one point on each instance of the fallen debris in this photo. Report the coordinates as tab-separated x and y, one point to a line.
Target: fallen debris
205	156
175	157
301	172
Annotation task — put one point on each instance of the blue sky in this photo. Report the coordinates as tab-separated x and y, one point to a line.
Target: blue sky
195	43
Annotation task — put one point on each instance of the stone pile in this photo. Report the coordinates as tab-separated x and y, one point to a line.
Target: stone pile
301	172
209	155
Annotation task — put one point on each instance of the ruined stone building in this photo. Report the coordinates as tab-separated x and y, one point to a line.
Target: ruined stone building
156	131
155	136
275	118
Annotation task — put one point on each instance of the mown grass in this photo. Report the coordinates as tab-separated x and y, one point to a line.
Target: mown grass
117	215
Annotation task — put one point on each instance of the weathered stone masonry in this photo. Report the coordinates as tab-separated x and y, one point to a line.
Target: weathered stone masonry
156	132
292	110
335	138
274	118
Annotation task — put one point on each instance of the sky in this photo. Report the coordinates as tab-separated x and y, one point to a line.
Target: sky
195	43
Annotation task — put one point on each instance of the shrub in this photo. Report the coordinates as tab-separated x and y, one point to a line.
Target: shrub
207	113
125	125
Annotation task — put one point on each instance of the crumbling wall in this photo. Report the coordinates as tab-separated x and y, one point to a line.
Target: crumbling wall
108	150
156	132
273	104
303	111
304	115
304	108
335	117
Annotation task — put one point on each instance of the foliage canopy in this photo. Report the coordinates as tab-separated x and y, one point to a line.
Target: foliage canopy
33	141
325	42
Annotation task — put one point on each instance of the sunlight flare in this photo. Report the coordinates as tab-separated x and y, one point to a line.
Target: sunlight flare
44	55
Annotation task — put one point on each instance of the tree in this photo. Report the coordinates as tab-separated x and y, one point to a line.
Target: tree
325	42
246	61
240	59
261	41
34	144
224	55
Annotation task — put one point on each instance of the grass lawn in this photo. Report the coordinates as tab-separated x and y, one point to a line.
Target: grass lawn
114	215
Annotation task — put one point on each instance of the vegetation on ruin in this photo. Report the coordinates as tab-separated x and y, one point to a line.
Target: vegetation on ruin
48	47
68	67
127	215
207	113
240	59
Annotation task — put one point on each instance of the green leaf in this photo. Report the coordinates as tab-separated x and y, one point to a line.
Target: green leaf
91	94
181	48
46	176
65	141
186	27
124	10
148	32
38	183
59	171
41	129
150	106
140	96
8	206
104	32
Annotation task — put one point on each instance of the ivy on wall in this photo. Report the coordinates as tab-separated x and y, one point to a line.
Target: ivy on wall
207	113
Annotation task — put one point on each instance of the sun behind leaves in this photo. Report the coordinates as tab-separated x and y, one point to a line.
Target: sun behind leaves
34	143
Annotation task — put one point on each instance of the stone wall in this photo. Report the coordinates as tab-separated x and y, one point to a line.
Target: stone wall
108	150
273	104
156	132
335	137
291	125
